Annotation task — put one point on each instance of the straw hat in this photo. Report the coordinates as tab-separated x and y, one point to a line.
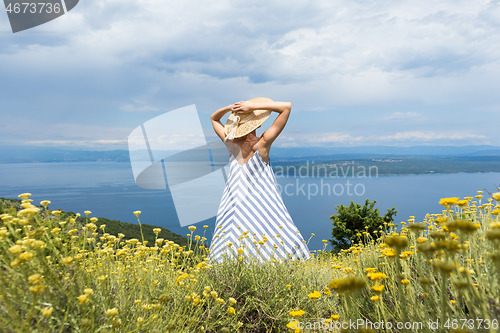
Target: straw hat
240	124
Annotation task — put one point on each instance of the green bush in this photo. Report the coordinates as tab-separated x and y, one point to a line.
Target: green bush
355	219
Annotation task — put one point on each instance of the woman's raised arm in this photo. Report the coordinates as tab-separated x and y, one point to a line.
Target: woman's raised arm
283	108
216	116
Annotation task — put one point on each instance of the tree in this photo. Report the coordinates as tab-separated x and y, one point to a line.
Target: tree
353	219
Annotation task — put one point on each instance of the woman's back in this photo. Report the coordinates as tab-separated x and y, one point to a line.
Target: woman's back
252	220
244	148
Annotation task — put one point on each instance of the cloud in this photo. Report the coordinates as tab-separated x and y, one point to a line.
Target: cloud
138	107
309	139
426	136
65	134
313	40
403	115
398	138
85	144
339	56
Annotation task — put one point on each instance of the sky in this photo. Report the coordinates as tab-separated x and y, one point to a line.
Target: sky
357	73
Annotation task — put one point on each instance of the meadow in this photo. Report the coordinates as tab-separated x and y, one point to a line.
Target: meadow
64	273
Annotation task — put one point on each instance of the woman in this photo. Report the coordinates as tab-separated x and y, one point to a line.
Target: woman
252	220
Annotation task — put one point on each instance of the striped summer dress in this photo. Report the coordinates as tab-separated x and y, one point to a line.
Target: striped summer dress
252	220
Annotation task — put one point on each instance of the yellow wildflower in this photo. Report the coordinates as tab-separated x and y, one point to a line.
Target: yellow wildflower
462	225
298	313
116	322
405	254
25	256
378	289
38	289
35	279
47	312
347	284
389	252
67	260
293	326
376	276
83	299
314	295
493	234
15	249
112	312
441	219
398	242
448	201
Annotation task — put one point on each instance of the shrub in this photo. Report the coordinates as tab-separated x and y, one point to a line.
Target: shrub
353	220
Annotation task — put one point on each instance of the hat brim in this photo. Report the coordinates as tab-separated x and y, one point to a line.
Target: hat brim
260	116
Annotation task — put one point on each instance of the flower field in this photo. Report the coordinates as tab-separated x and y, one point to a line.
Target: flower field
63	273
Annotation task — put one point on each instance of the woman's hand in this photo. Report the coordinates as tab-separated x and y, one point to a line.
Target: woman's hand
243	107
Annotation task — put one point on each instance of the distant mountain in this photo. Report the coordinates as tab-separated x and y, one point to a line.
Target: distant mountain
487	152
374	151
29	154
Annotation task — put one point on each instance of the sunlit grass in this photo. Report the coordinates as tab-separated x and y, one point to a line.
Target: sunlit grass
64	274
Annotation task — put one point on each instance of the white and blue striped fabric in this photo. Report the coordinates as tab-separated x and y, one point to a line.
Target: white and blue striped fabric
252	220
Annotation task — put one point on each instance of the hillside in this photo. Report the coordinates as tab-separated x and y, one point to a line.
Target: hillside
114	227
386	165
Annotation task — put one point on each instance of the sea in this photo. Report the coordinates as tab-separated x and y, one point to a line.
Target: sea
108	189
